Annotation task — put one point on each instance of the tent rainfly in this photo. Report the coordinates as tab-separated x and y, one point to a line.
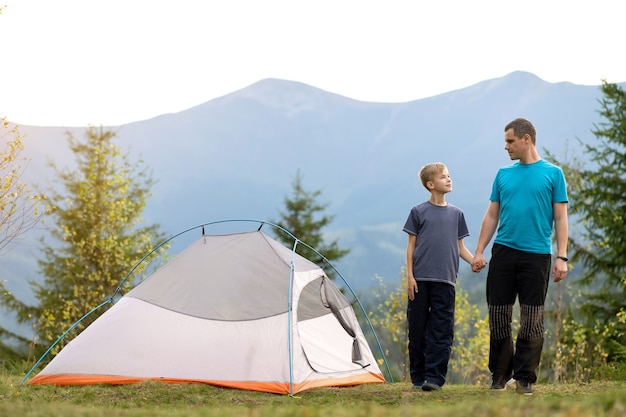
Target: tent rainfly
236	310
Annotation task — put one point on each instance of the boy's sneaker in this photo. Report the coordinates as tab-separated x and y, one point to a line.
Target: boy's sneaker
418	385
499	383
523	386
430	386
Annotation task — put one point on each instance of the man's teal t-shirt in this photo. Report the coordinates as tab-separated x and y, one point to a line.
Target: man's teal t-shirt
526	193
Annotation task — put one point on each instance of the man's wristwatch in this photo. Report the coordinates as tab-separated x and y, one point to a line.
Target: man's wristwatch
563	258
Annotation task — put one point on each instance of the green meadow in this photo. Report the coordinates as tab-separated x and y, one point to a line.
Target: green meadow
597	399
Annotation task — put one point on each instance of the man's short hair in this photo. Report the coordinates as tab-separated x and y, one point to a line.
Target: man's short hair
522	127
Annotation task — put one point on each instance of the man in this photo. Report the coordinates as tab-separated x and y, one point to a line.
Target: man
528	199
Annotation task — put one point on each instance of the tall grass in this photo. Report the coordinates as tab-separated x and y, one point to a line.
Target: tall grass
598	399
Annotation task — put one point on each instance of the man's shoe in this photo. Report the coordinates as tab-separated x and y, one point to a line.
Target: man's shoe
430	386
499	383
523	386
418	385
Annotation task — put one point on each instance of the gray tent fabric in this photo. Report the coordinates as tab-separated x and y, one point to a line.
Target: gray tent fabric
234	264
312	300
333	299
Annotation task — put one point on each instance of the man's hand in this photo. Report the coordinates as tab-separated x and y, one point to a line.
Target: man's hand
559	270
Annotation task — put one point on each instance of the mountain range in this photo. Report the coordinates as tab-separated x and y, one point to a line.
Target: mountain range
236	156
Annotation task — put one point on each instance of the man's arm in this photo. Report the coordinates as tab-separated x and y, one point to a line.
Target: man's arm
559	269
487	229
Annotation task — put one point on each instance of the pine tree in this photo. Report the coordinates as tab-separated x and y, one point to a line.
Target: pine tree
597	191
302	217
99	236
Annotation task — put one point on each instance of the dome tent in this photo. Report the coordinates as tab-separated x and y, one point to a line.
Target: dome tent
236	310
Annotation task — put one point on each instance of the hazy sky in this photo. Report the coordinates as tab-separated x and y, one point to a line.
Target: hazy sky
110	62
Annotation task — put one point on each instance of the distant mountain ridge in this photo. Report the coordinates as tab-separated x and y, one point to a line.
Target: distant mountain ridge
236	157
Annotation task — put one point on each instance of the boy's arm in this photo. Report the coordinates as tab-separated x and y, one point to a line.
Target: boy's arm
464	253
411	284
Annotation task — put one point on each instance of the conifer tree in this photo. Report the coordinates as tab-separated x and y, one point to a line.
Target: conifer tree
597	191
99	236
304	219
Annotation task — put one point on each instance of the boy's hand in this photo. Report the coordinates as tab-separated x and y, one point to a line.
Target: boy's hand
411	287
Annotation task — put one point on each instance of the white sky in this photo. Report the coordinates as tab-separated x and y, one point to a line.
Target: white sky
110	62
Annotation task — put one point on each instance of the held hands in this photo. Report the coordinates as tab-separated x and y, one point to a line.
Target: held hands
478	263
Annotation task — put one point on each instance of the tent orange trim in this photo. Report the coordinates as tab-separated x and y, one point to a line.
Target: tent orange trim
271	387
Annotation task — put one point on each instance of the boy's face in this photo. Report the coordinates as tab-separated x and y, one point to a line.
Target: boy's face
442	182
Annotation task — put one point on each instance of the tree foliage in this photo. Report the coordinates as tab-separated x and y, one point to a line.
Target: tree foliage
20	208
99	235
597	190
388	317
470	350
302	217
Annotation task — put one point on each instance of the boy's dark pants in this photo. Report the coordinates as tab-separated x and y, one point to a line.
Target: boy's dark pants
513	273
430	318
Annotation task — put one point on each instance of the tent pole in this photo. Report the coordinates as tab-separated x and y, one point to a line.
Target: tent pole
289	316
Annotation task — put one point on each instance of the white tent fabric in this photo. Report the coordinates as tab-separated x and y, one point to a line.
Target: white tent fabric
238	310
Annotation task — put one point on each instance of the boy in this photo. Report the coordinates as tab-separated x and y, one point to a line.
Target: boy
435	242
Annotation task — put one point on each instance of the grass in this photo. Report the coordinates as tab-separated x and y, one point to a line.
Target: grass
155	399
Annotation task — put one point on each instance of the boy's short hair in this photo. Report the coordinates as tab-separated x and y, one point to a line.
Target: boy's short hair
429	171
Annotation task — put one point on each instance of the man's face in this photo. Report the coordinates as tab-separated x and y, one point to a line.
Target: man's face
516	147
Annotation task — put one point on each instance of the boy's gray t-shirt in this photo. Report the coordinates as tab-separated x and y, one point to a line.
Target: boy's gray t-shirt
438	230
